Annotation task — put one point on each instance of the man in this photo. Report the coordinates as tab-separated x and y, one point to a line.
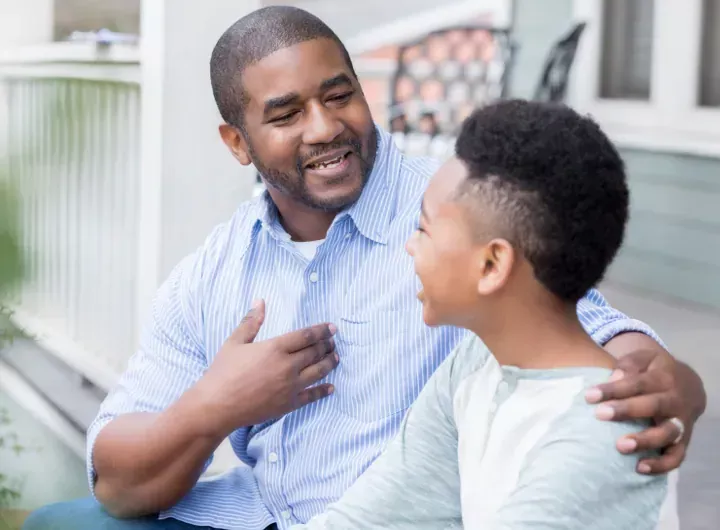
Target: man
325	244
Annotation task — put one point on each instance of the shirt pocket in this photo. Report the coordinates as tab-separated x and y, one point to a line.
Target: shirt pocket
375	378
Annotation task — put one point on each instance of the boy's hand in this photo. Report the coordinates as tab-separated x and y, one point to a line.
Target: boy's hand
650	384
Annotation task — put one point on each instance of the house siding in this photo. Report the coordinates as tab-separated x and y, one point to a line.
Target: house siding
673	239
672	246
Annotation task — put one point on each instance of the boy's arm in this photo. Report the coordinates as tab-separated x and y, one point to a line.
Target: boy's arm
414	484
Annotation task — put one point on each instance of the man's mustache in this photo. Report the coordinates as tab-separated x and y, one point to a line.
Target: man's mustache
352	143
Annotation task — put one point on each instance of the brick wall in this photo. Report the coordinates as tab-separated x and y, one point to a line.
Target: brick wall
377	84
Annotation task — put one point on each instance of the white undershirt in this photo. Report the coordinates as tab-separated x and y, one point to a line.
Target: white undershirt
308	248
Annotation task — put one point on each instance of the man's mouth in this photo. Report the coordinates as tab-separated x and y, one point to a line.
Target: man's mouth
331	163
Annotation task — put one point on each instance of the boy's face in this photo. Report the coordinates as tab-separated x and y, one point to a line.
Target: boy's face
445	251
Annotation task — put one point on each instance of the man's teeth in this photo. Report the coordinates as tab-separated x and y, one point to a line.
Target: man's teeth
330	163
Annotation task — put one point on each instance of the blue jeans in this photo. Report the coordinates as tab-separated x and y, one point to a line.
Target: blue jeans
87	514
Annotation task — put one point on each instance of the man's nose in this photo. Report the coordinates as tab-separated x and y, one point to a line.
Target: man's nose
322	126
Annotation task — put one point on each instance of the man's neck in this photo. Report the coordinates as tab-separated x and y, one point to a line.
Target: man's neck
307	226
302	223
540	336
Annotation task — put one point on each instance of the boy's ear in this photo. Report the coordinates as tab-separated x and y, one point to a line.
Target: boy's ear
236	142
497	259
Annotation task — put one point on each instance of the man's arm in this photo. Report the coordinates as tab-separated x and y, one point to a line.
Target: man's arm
146	462
649	384
146	448
157	430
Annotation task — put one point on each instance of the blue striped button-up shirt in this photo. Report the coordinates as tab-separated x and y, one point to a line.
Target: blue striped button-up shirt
362	280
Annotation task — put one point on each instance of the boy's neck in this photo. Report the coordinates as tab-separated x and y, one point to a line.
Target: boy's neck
540	335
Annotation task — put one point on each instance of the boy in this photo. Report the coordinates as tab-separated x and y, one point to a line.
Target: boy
513	230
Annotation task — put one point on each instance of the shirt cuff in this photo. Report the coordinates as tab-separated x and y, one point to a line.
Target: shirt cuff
612	329
92	435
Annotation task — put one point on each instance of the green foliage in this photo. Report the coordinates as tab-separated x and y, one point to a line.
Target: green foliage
9	488
11	266
11	273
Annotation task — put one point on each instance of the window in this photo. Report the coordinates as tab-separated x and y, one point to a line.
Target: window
627	47
710	58
649	72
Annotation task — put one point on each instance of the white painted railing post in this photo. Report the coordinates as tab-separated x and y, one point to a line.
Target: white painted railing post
188	180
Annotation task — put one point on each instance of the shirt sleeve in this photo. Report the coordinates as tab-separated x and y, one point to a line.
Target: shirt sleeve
575	479
603	322
169	360
414	484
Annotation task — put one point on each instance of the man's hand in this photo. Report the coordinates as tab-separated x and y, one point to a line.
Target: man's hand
249	383
650	384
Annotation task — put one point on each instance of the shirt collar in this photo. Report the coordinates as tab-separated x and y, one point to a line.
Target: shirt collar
372	212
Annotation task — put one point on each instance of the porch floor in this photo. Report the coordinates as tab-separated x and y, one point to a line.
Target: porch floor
46	470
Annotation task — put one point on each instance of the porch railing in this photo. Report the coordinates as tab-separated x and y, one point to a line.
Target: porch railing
71	121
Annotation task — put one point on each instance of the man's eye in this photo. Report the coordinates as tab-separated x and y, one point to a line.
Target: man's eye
341	97
284	118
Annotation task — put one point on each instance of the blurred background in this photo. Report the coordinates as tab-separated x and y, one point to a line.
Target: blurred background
111	170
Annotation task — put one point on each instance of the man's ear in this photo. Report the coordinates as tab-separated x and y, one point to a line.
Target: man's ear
496	261
235	141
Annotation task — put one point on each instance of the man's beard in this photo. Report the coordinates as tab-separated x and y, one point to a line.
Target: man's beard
295	185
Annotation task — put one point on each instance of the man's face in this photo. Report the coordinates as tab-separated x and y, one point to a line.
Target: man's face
308	128
444	250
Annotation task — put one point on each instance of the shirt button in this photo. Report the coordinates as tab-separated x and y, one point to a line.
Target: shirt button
347	236
313	277
286	514
503	387
273	457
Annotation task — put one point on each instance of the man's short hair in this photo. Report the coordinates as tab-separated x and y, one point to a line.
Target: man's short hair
553	184
251	39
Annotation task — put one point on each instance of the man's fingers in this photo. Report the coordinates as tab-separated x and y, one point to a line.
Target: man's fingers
251	323
315	393
670	460
651	439
302	338
629	386
660	405
313	354
315	372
